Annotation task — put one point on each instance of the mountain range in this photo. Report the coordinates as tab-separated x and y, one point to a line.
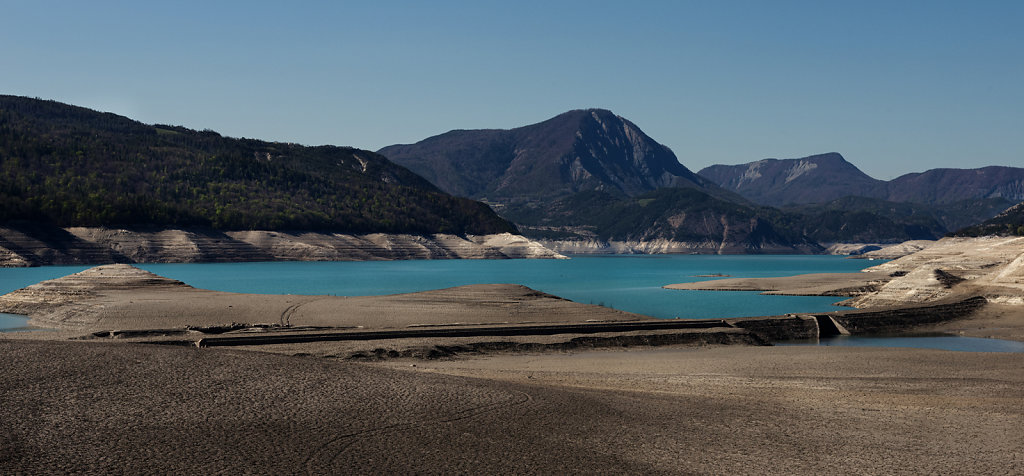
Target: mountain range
826	177
592	175
586	174
585	177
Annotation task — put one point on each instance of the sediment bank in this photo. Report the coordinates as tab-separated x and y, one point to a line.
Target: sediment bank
38	245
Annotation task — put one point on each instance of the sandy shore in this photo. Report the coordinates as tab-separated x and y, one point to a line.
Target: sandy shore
124	408
819	284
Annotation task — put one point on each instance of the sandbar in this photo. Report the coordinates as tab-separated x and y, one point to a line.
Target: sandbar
817	284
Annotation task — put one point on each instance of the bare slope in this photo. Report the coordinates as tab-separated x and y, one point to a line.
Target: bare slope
989	266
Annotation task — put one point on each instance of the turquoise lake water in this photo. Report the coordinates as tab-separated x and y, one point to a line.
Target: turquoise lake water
631	283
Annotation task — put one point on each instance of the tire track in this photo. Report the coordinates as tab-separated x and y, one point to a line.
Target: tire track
286	315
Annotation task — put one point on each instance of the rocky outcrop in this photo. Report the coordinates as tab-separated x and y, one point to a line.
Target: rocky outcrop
663	246
992	267
39	245
851	249
898	250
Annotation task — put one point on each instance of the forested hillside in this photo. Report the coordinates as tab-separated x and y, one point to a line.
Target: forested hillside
1009	222
71	166
676	214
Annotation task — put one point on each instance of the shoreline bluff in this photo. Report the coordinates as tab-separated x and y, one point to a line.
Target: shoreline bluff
38	245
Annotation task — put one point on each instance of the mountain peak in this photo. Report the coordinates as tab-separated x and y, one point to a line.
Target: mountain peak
825	177
579	150
813	179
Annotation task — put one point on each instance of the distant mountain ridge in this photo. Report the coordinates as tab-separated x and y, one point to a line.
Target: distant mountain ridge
827	177
814	179
952	185
590	175
580	150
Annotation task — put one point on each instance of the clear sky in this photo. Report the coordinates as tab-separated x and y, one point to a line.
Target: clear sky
895	86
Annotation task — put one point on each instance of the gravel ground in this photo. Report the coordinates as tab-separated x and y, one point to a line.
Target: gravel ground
124	408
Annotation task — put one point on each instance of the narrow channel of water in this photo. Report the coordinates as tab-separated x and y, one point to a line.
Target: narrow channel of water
14	322
938	342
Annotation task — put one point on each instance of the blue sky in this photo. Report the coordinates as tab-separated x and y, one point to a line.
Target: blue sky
896	86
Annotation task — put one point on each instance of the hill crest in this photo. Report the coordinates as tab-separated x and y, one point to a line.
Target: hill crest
579	150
